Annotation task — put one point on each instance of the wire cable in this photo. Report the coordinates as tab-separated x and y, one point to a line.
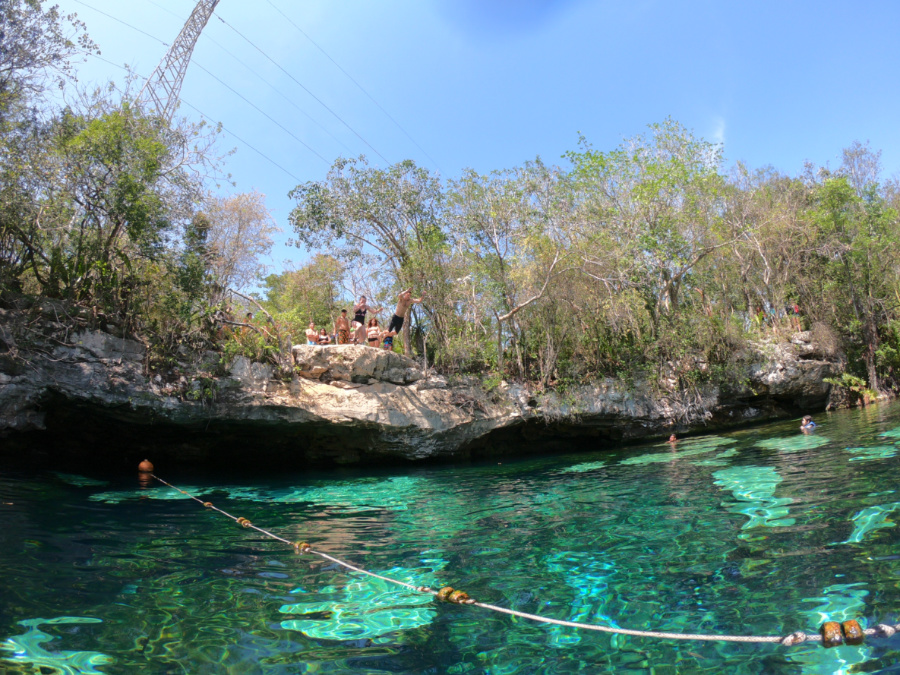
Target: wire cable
207	117
124	23
165	9
258	152
261	111
302	86
223	83
206	36
353	80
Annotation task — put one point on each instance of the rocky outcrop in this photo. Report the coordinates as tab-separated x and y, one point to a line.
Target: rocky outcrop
86	395
354	363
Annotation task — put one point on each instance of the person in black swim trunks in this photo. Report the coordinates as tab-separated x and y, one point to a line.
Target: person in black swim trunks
404	301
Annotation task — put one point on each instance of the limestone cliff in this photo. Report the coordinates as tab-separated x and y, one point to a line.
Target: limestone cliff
85	394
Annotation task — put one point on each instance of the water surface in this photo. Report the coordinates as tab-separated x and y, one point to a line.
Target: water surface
761	531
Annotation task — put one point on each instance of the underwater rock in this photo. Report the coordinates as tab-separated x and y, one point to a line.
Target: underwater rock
27	650
869	519
754	488
365	608
871	453
794	444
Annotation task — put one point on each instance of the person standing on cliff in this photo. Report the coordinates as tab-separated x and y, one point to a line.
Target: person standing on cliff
359	319
795	317
404	301
312	336
342	328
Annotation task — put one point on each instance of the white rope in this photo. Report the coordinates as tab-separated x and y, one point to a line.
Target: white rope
798	637
639	633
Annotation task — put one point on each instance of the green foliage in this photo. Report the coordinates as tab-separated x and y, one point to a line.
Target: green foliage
204	390
643	259
256	346
646	260
853	384
311	293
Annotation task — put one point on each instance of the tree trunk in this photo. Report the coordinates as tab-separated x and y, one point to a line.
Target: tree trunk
407	335
499	347
871	334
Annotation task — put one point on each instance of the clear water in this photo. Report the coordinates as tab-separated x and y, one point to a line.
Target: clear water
762	531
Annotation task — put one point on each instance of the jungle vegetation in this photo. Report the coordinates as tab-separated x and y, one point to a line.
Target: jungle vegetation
654	256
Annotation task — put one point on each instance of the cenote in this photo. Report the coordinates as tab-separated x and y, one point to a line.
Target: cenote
759	531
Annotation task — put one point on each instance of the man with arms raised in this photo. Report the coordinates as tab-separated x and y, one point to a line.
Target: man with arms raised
404	301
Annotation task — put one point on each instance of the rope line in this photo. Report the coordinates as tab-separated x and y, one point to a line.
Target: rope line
448	594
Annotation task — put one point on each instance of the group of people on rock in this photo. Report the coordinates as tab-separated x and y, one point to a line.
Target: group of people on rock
358	331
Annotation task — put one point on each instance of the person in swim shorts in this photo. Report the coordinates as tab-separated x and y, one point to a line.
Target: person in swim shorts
387	340
342	328
404	301
312	336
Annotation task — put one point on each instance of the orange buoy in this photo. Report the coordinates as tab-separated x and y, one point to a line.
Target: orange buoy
853	632
145	466
444	593
459	597
831	634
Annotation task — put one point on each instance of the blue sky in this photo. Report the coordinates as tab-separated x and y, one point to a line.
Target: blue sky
489	84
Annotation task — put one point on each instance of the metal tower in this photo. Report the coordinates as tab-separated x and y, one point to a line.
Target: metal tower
164	85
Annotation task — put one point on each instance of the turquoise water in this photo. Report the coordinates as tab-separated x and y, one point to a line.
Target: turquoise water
761	531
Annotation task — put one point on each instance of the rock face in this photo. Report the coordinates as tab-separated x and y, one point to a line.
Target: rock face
85	396
355	363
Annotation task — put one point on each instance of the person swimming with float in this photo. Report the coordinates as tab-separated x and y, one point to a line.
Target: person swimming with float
807	423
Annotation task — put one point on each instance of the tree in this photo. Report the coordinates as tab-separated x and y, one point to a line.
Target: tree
36	48
240	233
858	238
503	226
386	219
651	211
310	293
103	199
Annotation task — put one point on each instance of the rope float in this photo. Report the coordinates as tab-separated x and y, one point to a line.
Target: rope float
831	633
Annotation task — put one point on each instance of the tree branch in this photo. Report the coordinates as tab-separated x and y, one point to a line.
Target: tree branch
515	310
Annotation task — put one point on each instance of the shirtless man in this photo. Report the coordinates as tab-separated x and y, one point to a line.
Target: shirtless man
404	301
359	319
312	335
342	328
